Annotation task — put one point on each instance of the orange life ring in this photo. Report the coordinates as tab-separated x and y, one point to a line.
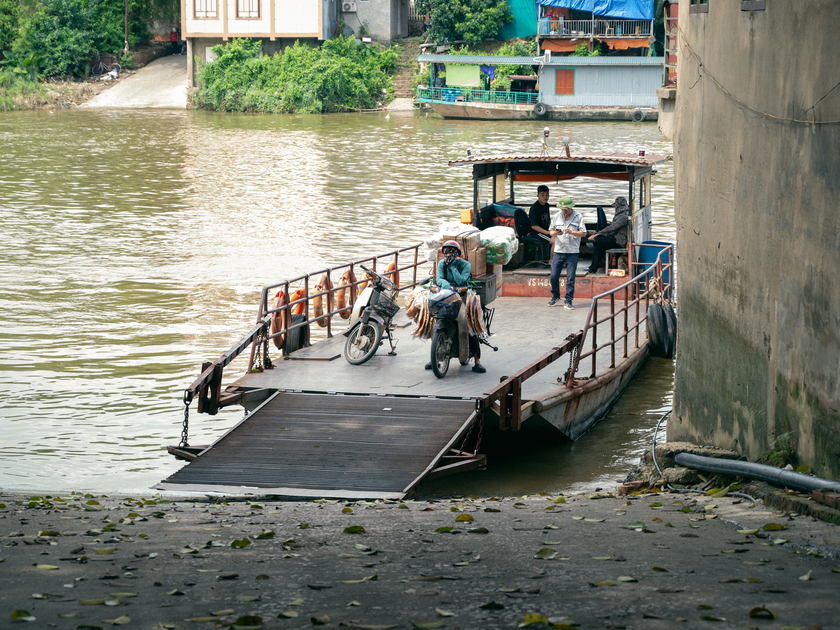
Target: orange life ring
279	319
341	294
325	284
392	273
298	309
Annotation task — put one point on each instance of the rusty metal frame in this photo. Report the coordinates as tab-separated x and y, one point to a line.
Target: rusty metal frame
207	387
633	296
509	391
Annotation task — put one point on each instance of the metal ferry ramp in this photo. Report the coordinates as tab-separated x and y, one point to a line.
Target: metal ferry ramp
334	445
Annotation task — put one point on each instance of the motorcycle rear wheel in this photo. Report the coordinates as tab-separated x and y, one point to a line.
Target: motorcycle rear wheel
441	352
362	342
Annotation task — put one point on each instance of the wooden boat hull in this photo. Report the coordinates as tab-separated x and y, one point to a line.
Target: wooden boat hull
484	111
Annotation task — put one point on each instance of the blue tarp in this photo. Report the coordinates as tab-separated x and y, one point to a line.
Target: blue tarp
615	9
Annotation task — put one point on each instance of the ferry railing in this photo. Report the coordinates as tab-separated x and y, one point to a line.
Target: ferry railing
475	95
655	278
207	387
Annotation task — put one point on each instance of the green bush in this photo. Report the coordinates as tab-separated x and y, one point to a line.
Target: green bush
339	75
471	20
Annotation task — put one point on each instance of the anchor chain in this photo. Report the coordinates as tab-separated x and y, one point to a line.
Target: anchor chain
262	361
186	428
572	357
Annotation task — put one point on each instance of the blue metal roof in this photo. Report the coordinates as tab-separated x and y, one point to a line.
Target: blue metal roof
484	60
497	60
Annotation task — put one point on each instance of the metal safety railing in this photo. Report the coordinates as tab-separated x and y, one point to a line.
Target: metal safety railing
399	265
475	95
558	27
624	315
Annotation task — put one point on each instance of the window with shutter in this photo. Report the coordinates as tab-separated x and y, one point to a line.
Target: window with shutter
564	81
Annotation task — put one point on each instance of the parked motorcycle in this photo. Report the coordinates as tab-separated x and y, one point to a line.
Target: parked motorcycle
371	318
446	330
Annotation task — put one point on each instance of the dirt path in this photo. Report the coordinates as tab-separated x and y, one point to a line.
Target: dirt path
599	561
161	84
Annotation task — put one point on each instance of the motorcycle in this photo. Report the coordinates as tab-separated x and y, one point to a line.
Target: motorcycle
370	319
446	330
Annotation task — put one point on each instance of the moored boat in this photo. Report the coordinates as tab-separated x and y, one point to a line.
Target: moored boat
318	426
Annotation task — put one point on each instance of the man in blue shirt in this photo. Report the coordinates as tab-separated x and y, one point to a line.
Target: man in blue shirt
566	228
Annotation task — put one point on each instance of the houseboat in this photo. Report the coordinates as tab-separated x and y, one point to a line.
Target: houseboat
317	426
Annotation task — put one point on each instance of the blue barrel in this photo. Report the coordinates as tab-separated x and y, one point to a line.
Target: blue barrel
647	258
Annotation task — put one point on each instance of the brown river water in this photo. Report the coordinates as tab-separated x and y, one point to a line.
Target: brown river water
135	243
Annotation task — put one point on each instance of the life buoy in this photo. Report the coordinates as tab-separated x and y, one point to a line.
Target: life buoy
279	319
297	309
392	274
325	284
341	294
638	115
540	109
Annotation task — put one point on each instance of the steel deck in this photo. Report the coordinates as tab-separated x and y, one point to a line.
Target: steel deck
321	445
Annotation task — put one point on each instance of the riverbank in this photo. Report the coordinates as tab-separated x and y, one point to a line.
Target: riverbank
647	560
28	95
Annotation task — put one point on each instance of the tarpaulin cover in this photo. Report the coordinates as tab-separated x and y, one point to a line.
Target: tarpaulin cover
620	43
562	45
490	71
616	9
462	75
524	20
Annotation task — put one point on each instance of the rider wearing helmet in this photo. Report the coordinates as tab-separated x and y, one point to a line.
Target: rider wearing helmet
452	270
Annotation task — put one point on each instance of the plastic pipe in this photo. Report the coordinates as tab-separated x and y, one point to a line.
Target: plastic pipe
770	474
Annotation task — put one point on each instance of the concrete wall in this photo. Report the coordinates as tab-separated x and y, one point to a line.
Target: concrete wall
623	85
386	19
758	230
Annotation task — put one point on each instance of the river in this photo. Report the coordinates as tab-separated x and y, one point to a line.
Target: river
135	244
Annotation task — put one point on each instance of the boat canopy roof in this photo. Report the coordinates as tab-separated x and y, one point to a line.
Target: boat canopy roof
548	168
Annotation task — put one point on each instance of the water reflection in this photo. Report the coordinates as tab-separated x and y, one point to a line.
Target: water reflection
135	245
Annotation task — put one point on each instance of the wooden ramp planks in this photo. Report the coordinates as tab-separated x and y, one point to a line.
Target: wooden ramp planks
310	444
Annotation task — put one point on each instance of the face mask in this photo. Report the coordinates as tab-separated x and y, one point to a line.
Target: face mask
449	257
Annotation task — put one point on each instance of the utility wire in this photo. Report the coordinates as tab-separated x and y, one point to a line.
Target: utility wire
684	42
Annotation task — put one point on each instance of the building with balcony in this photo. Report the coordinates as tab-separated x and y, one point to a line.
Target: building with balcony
625	27
279	23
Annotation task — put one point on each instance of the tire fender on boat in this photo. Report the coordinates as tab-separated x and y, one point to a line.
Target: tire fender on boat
540	109
324	284
392	274
279	319
341	295
638	115
661	328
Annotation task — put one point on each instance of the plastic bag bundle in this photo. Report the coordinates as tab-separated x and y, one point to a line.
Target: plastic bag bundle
501	244
456	228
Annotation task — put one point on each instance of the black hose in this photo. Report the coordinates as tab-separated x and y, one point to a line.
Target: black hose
770	474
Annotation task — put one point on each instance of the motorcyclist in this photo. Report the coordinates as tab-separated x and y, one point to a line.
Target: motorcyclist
452	270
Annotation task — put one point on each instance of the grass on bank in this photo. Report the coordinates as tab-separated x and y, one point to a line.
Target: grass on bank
339	76
19	92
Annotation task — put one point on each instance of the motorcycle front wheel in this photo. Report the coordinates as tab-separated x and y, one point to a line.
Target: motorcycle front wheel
362	342
441	352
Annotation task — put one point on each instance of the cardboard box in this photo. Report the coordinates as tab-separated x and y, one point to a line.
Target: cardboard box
478	261
466	241
497	271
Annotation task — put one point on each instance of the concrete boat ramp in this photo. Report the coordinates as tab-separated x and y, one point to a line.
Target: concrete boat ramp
320	427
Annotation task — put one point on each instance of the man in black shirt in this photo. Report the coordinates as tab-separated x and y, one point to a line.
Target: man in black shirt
540	215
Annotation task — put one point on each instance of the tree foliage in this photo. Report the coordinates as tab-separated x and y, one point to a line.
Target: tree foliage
471	20
66	35
340	75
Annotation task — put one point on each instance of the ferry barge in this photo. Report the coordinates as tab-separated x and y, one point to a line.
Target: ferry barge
316	426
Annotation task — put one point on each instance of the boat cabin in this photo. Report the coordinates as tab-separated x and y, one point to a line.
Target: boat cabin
593	181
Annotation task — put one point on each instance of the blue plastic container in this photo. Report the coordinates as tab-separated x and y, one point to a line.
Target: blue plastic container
647	258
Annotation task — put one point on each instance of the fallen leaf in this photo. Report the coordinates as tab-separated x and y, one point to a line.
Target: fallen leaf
119	621
21	615
364	579
91	602
288	614
491	606
444	530
464	517
748	532
444	613
176	592
626	578
241	543
806	577
228	576
355	529
431	625
660	569
761	611
46	567
603	583
774	527
223	613
266	533
711	618
247	598
546	554
533	619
